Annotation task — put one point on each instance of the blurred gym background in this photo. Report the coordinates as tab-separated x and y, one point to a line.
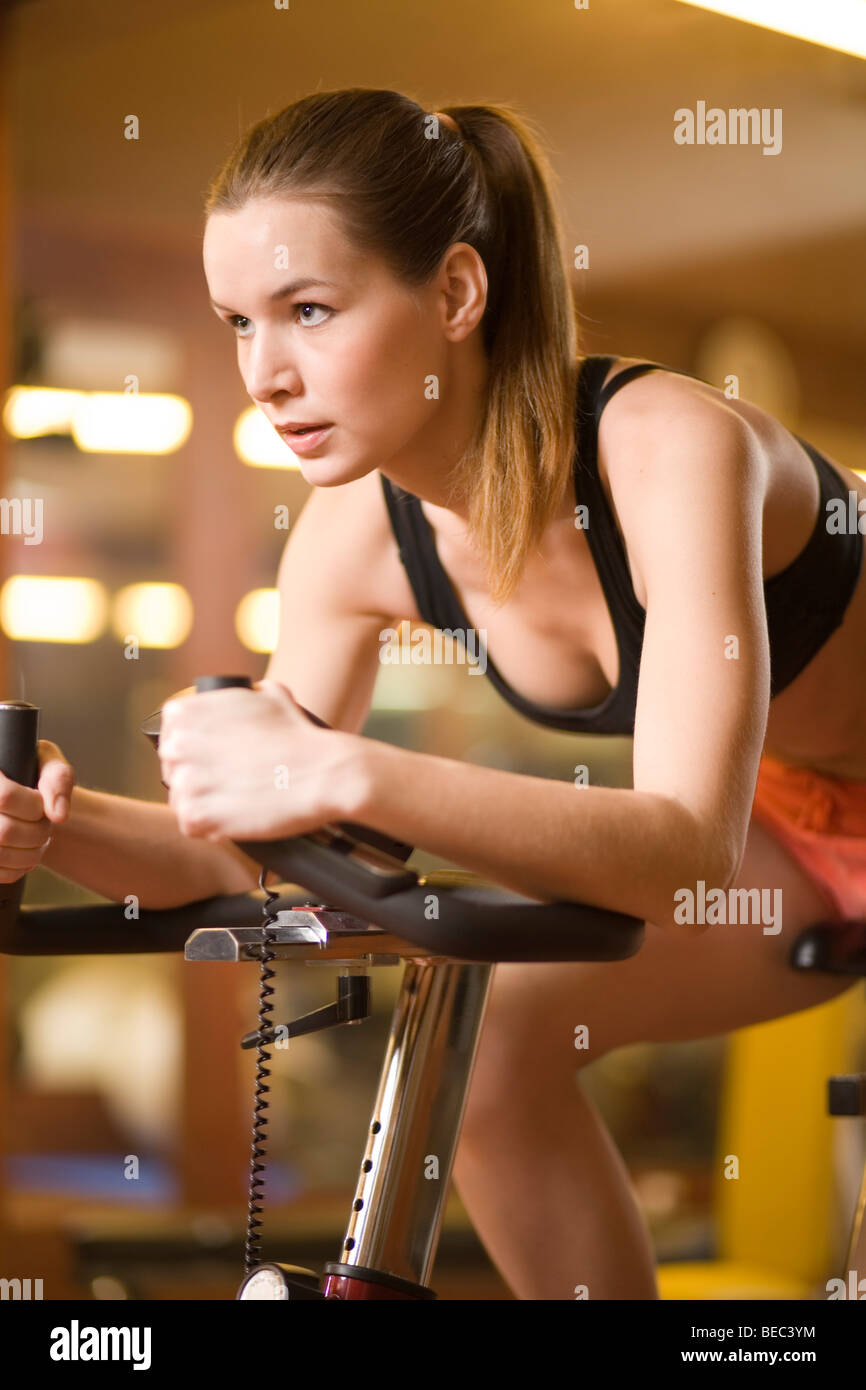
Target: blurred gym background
714	260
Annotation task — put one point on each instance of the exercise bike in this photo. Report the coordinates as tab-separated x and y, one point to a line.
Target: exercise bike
449	927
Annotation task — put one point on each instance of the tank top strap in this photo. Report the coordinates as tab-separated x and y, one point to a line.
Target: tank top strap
625	376
605	543
417	550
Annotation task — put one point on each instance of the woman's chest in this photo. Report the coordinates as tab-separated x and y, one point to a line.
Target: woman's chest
553	640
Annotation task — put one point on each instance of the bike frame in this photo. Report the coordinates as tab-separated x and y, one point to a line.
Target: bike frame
395	1221
396	1217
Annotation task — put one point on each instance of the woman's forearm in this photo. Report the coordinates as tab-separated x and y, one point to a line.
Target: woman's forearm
615	848
117	846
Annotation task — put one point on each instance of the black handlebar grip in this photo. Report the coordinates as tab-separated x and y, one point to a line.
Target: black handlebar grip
204	683
19	761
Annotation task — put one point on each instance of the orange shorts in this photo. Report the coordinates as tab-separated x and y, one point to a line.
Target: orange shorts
821	821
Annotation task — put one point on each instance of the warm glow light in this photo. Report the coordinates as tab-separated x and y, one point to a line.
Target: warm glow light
257	619
258	444
38	608
839	24
31	411
117	422
153	615
100	422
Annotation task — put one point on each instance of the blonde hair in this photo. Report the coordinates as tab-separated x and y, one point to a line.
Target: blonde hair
407	197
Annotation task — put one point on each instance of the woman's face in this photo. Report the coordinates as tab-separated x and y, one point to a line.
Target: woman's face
326	334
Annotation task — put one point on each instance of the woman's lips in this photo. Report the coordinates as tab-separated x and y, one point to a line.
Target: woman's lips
302	443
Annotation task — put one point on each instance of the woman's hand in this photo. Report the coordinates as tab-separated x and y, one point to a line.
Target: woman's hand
248	764
27	814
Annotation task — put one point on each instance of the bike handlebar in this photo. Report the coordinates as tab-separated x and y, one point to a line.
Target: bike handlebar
350	867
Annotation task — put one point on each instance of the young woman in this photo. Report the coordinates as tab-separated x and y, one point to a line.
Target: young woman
398	289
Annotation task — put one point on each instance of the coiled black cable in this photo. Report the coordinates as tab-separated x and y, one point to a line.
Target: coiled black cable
252	1248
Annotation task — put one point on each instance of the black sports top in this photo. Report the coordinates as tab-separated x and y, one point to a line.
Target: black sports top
805	602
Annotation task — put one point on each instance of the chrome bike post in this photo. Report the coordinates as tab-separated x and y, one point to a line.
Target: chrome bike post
412	1138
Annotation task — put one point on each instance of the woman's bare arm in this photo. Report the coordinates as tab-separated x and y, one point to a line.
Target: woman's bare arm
618	849
118	846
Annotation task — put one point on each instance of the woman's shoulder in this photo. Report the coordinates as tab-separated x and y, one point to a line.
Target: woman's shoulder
648	406
644	406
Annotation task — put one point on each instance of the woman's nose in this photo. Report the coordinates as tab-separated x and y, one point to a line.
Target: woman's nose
266	370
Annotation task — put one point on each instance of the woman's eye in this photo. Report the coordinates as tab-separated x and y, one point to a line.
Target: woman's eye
301	307
243	326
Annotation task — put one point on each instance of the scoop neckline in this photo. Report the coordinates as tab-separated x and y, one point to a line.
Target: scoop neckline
551	712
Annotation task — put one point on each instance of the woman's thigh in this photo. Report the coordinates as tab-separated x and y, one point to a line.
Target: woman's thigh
675	989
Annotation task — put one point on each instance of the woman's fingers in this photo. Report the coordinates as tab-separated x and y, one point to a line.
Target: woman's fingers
20	803
56	780
24	836
15	863
22	845
28	814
